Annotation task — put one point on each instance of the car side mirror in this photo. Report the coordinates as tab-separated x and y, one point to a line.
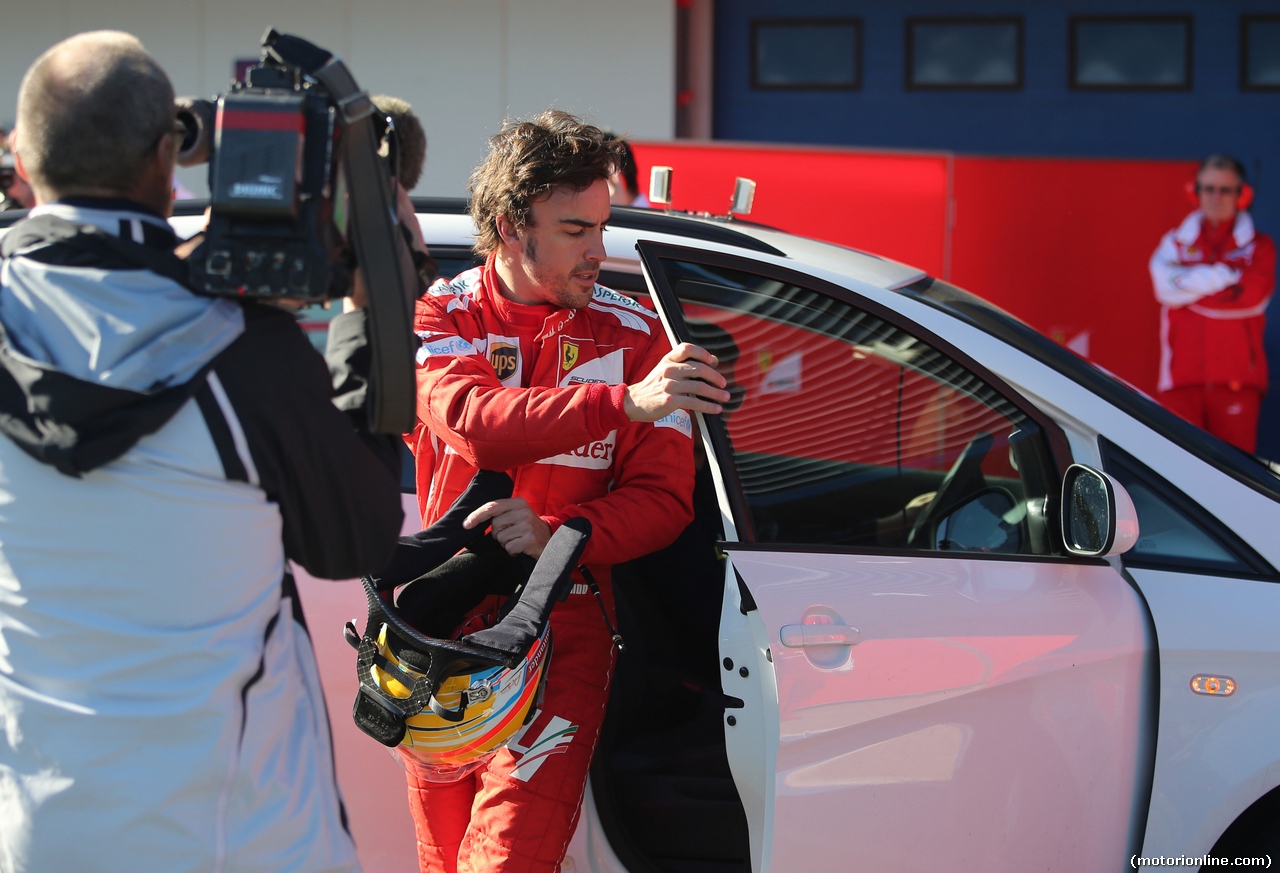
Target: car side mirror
1098	517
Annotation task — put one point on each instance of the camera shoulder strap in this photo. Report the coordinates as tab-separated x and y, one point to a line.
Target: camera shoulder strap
381	253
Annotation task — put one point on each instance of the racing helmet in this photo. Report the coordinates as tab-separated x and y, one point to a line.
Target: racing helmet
475	710
445	705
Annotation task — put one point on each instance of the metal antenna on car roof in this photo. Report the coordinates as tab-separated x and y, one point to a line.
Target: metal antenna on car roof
660	187
744	195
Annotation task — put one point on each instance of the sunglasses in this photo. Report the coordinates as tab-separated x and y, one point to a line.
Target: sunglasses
178	129
1224	190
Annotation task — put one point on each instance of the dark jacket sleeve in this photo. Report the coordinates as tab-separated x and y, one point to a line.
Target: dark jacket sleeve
350	358
337	486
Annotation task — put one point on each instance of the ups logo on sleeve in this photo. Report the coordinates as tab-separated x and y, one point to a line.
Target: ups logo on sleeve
505	360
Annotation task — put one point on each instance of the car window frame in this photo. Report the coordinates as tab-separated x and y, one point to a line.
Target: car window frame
1115	459
1059	456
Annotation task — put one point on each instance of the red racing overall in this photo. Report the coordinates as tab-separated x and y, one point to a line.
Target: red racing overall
1213	285
537	391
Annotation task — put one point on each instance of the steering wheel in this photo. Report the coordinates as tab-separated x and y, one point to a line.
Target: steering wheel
963	479
985	521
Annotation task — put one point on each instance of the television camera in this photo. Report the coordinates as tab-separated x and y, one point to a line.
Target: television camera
301	201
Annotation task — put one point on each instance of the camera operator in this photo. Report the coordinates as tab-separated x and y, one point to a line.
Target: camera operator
163	455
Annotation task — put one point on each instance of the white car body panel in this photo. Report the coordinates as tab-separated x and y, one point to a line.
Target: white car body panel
1216	755
997	701
751	741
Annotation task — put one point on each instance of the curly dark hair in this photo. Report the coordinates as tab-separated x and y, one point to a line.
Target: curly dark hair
527	161
412	138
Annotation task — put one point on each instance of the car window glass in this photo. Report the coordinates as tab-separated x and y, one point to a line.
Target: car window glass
1173	533
848	430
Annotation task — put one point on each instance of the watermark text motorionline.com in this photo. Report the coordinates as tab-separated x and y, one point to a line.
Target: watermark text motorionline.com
1137	861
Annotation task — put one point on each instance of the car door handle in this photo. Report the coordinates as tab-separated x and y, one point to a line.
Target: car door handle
795	636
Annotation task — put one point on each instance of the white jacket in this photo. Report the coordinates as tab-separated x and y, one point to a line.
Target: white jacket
164	454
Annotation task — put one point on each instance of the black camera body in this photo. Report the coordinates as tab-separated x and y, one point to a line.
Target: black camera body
276	229
301	200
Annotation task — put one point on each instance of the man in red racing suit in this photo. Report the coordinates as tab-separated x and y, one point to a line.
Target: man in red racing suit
1213	276
528	366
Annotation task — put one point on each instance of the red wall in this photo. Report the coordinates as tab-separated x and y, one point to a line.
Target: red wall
1064	244
1061	243
890	203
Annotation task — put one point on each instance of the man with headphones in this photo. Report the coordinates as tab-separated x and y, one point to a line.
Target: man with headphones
1213	276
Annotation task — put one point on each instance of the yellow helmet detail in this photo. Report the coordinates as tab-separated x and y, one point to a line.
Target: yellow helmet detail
447	705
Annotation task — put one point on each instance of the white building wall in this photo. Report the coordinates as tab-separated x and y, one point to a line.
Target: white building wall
465	65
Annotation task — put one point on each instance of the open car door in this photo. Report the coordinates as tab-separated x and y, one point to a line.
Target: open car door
916	674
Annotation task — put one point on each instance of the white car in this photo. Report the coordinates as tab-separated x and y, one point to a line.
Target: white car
954	599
